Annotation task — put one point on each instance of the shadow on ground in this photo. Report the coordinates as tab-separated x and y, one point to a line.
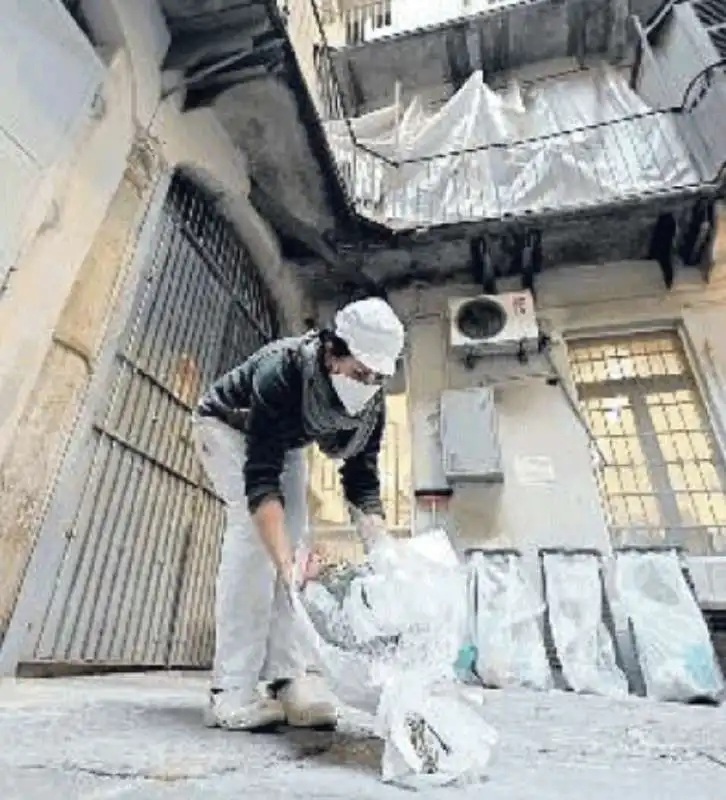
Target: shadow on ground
355	749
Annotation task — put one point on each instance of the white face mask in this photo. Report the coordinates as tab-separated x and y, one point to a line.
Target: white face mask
354	395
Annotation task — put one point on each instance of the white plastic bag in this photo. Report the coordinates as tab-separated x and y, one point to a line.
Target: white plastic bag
435	736
407	616
398	633
348	672
584	645
673	644
508	637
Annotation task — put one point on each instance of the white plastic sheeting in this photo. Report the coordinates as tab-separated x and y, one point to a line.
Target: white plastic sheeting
671	637
507	632
584	645
403	608
395	641
486	154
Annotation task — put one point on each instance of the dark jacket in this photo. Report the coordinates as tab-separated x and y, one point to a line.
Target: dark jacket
262	397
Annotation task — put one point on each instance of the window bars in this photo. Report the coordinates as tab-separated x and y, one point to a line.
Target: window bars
664	478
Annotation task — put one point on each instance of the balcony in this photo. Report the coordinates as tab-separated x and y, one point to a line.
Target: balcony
564	144
436	45
485	150
520	157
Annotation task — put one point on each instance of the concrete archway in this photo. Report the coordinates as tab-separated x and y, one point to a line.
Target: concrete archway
193	141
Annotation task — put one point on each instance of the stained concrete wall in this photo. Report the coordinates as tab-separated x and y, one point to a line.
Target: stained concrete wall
535	419
495	41
72	283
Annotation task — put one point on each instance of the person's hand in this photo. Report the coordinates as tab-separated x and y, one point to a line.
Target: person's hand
370	528
306	567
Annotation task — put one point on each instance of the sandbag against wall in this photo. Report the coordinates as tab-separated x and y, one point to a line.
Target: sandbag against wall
574	592
672	641
507	617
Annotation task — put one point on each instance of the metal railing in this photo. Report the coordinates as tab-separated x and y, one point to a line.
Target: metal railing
485	183
471	184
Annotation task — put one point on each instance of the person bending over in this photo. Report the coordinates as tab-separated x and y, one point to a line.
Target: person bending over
250	429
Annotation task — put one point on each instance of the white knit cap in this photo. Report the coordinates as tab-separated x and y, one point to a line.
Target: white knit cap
373	333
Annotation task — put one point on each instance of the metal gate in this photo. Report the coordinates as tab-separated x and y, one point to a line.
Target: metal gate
136	584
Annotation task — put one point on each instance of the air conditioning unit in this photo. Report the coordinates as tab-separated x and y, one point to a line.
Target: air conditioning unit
489	324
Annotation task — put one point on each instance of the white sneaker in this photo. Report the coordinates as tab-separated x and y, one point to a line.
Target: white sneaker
308	703
228	710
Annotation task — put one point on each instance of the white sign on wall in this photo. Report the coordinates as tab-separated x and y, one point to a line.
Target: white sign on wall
534	470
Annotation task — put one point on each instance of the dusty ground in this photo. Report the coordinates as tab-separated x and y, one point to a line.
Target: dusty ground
141	738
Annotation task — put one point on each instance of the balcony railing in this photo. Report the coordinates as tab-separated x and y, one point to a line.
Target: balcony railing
579	159
585	166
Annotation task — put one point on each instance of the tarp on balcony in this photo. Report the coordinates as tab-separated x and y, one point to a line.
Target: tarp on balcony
583	139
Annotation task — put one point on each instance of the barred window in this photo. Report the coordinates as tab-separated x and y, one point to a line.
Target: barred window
664	480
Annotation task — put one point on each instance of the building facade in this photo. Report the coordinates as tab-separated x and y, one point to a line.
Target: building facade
216	175
636	334
136	278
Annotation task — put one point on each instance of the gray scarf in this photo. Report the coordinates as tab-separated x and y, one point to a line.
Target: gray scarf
323	419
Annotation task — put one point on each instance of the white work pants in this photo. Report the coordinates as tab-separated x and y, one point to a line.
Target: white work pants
255	632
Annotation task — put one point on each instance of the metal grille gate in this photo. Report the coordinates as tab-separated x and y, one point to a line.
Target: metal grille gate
136	584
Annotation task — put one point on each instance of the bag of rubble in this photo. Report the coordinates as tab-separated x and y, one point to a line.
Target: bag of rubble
386	635
673	644
435	735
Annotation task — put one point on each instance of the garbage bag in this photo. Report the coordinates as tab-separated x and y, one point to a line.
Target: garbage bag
434	735
671	637
584	645
385	648
402	611
507	633
349	673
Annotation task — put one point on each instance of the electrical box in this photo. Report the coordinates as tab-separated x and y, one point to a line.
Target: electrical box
470	436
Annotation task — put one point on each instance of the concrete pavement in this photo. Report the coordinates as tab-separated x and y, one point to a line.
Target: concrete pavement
140	737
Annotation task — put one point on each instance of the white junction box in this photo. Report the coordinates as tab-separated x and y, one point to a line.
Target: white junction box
470	444
491	324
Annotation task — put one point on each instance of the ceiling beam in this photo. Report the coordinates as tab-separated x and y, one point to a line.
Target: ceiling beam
663	247
482	265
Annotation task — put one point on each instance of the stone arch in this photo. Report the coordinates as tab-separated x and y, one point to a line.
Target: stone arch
254	232
193	141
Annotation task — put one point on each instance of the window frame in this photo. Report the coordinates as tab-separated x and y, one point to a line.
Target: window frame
697	373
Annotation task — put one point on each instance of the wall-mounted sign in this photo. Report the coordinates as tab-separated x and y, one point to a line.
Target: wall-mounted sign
534	470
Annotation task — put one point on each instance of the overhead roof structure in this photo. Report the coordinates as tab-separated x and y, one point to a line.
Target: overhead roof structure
637	159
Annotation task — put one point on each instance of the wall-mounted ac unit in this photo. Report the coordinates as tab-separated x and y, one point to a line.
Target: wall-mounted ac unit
490	324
